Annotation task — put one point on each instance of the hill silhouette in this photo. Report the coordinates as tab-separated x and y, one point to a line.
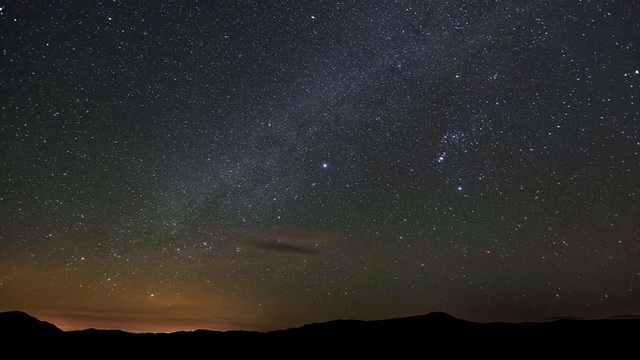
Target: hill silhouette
18	324
424	332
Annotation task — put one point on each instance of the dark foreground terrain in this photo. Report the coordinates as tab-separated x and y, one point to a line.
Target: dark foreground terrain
431	335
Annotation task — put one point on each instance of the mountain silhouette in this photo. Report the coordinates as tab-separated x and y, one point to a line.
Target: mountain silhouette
434	331
21	324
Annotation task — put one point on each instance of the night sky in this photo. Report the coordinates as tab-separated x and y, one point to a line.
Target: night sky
258	165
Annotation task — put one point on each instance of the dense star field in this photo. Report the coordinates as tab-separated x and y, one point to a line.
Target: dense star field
265	164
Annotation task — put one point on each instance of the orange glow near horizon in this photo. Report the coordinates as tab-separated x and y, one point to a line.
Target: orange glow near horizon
133	323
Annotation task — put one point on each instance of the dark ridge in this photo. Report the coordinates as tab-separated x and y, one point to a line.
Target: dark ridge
563	318
435	330
21	324
626	316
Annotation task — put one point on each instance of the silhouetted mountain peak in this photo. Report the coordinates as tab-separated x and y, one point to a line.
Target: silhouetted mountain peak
440	316
18	323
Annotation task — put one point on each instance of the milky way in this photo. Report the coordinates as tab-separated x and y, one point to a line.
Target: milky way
261	165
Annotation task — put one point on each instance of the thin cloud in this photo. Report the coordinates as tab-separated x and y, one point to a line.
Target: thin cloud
283	248
290	242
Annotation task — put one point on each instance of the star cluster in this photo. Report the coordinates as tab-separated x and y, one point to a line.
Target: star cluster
259	165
